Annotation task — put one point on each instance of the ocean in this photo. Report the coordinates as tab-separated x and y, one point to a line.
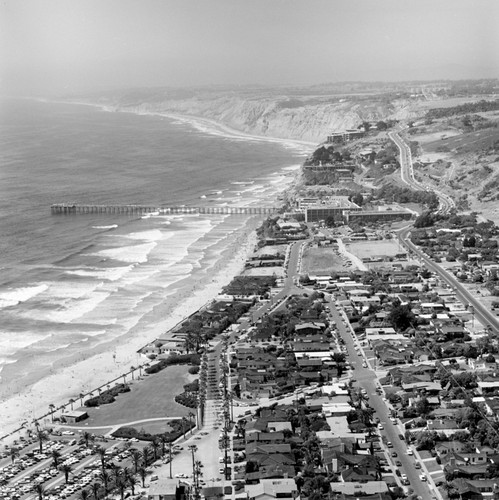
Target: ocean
69	284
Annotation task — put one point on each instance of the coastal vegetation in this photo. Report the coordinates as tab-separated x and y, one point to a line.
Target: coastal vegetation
173	359
179	427
251	285
469	107
108	396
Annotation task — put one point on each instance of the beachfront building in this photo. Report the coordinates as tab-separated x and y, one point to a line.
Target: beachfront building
73	417
345	136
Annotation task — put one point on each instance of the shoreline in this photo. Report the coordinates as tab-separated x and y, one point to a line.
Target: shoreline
83	373
110	360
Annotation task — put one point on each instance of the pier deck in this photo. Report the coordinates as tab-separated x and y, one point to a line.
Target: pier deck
75	209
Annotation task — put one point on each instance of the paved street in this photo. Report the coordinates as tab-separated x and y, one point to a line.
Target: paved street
366	379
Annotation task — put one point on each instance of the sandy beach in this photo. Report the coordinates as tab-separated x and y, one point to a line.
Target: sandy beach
86	371
84	375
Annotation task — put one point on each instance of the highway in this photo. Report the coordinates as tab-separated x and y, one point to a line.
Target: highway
366	379
407	173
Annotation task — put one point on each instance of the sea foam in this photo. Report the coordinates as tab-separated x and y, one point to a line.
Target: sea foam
19	295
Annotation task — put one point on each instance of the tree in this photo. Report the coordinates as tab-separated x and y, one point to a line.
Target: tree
136	457
132	481
87	437
104	477
401	317
102	455
84	495
66	470
56	454
381	125
39	490
95	490
14	453
358	199
422	406
143	475
426	440
41	435
191	416
52	410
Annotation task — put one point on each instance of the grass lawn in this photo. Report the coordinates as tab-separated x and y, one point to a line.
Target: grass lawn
321	260
151	397
375	248
154	427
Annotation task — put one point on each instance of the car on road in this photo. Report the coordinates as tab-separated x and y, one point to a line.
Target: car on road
394	454
422	477
417	465
380	427
364	365
409	451
389	444
398	463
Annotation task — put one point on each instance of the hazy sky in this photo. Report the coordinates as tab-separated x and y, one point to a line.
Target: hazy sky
85	44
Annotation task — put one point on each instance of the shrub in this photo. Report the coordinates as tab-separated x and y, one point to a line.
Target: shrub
176	425
108	396
174	359
194	370
187	399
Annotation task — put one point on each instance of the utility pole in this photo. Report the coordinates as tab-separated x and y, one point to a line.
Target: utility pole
170	456
195	480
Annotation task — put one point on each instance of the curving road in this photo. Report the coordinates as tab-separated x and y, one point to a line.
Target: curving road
407	173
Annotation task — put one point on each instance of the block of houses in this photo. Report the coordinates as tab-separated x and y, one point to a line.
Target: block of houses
270	489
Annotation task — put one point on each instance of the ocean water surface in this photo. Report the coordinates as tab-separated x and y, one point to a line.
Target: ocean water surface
71	283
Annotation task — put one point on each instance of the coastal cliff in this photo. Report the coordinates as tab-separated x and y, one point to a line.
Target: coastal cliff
287	116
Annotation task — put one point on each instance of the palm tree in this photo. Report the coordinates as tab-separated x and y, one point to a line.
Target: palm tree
41	435
155	447
102	455
87	437
132	481
71	402
52	410
56	454
40	490
132	370
66	469
84	495
191	416
136	457
164	439
121	485
146	456
198	472
115	472
104	477
95	490
143	474
14	453
81	396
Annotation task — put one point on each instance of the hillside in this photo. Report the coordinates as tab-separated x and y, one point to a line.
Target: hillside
281	113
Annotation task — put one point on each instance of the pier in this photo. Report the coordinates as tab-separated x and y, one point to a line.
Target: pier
76	209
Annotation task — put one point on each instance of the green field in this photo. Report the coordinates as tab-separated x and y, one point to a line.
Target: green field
466	143
151	397
321	260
